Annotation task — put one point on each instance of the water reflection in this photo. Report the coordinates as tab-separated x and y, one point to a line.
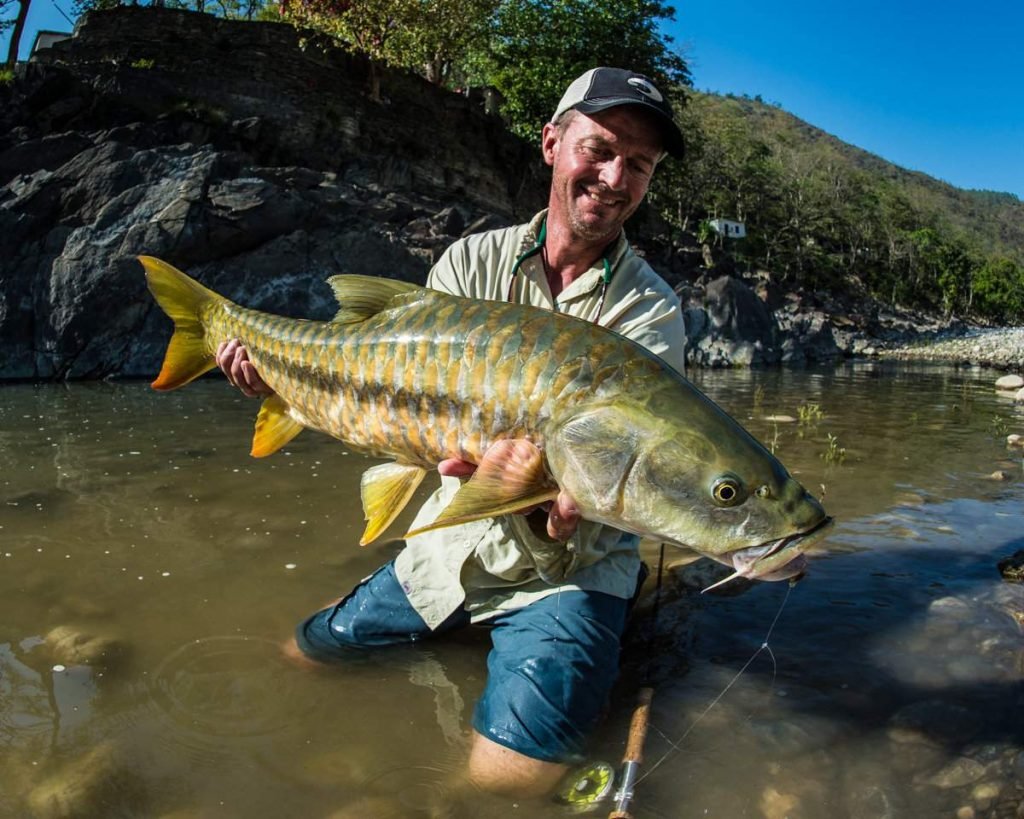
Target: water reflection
138	539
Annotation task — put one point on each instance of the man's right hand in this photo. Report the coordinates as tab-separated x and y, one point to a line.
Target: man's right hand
233	360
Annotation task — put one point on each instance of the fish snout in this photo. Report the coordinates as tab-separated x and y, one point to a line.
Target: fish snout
802	509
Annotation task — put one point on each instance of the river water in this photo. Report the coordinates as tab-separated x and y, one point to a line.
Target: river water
150	570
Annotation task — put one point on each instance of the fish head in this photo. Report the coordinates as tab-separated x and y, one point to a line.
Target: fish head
675	467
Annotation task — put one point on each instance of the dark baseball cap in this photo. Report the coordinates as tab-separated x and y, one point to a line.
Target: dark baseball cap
602	88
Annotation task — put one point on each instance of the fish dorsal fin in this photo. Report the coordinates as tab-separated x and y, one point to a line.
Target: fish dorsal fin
511	477
385	491
363	296
274	427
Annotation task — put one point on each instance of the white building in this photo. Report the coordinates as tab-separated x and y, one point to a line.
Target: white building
45	39
728	228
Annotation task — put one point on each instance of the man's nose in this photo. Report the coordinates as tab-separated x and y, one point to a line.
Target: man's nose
613	173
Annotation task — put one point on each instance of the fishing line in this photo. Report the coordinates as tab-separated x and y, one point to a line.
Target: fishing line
676	746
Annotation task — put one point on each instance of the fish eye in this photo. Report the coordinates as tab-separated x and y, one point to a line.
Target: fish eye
727	492
763	491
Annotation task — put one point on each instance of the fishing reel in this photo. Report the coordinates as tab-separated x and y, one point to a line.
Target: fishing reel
587	788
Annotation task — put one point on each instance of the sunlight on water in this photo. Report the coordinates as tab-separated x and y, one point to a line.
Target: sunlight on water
150	571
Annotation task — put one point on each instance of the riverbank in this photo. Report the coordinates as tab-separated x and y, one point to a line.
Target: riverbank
1000	348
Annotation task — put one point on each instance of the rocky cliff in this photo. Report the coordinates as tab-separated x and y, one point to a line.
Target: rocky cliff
261	165
228	149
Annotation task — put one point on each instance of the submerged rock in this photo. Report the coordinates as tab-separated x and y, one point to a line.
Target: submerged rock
96	785
961	771
73	646
933	722
1012	567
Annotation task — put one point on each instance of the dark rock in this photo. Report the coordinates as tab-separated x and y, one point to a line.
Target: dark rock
933	722
735	328
261	177
1012	567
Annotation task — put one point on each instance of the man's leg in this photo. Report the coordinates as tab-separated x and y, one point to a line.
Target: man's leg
550	672
376	613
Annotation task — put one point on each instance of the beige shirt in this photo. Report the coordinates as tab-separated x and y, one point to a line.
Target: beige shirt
498	564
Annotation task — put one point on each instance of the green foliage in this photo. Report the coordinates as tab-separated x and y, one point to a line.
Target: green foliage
833	454
810	414
231	9
429	36
537	47
143	63
998	289
823	215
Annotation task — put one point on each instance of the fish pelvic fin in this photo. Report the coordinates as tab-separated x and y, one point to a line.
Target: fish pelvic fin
363	296
511	478
274	427
183	299
385	491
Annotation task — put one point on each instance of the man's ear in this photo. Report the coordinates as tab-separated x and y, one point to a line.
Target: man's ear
549	138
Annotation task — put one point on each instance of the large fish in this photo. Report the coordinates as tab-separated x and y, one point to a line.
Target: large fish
417	376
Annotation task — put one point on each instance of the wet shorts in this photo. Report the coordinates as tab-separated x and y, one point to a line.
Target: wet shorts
550	670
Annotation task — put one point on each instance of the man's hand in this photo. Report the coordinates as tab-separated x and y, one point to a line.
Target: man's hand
233	360
563	516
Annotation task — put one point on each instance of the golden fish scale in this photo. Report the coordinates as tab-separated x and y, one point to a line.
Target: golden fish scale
419	383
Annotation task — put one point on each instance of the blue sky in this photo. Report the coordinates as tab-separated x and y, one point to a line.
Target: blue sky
932	86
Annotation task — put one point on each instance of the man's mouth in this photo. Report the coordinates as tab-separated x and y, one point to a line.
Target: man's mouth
602	196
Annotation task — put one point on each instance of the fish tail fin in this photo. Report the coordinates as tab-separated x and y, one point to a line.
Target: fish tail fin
183	299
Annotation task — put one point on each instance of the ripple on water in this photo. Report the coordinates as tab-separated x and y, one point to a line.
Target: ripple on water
210	691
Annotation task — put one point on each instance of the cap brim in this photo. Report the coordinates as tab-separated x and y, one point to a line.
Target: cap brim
673	137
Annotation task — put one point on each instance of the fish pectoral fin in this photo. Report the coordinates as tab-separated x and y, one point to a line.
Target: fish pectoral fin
274	427
510	478
385	491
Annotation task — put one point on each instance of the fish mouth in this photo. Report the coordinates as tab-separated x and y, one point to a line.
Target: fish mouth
776	560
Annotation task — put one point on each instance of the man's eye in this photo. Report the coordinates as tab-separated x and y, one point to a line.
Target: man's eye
641	168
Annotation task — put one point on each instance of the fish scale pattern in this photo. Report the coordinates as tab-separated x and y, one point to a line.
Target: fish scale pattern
432	379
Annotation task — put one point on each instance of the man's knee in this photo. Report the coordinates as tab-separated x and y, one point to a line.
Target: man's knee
495	768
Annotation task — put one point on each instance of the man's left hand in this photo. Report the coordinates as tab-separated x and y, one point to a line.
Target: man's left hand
563	516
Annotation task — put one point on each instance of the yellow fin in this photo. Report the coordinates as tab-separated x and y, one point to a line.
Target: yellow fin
182	298
385	491
363	296
274	427
510	478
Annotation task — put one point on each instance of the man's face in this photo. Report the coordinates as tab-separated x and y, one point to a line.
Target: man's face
601	168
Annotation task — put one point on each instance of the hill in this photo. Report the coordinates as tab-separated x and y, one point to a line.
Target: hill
821	213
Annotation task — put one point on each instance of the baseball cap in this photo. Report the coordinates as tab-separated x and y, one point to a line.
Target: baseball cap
602	88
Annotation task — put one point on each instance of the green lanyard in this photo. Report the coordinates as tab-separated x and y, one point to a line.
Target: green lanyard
606	276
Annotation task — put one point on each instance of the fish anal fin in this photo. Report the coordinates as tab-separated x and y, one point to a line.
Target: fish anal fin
274	427
511	478
385	491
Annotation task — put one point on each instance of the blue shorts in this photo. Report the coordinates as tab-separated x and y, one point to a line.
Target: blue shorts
550	670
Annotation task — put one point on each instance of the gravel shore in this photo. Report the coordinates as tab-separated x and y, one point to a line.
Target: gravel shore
1001	348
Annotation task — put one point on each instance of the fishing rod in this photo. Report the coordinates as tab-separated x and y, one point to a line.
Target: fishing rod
634	754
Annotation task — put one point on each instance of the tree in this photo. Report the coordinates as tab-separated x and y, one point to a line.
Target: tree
537	47
431	36
998	290
18	26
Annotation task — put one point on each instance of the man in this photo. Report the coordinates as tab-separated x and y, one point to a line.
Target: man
554	589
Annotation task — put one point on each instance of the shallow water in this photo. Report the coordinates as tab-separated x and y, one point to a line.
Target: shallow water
890	684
